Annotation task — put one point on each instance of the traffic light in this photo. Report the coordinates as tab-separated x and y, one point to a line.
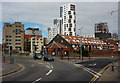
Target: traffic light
10	48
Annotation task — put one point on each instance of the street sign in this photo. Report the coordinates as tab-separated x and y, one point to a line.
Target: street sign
75	48
111	47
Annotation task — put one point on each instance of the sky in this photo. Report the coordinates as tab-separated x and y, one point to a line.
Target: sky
41	15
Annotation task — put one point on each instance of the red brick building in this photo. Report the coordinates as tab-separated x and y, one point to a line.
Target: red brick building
64	45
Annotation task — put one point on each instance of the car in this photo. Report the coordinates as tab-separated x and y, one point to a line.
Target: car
48	58
38	56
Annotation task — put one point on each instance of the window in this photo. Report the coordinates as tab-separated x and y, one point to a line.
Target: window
69	12
70	25
69	29
74	21
6	36
74	29
70	16
16	26
40	39
19	26
10	25
70	33
17	43
74	13
9	39
69	20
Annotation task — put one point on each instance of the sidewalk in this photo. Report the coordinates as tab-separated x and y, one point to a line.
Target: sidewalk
8	68
111	75
73	60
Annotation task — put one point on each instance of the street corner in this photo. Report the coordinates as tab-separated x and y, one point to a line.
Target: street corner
11	69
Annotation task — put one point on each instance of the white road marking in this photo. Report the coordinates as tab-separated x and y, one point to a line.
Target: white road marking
52	66
88	70
37	80
47	66
49	72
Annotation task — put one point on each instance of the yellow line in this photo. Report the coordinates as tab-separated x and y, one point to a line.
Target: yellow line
14	72
95	78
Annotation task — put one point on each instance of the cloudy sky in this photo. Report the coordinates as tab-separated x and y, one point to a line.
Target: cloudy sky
41	14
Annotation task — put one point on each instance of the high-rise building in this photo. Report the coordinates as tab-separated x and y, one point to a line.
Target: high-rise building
68	15
102	31
13	35
66	24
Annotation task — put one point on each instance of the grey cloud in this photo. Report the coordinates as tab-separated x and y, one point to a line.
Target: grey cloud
44	13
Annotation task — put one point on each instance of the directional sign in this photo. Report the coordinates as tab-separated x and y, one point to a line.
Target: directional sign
111	47
75	48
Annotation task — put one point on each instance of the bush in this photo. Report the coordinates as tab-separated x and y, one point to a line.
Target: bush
117	52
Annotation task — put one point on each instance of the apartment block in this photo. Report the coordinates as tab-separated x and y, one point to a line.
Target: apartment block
13	35
68	15
33	37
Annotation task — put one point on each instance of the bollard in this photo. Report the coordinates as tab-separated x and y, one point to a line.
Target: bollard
112	67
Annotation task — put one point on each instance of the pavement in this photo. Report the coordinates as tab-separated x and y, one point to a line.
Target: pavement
110	75
8	68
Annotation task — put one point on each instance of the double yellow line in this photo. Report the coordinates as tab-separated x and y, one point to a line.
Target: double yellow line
22	68
101	71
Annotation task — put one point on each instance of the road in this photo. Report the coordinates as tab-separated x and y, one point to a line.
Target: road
57	70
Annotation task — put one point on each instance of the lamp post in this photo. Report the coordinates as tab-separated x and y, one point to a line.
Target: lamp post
80	49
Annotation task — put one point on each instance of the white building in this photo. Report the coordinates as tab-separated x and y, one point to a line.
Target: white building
66	24
68	15
52	32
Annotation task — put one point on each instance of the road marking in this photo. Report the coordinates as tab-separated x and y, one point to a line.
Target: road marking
37	80
52	66
49	72
101	71
14	72
89	70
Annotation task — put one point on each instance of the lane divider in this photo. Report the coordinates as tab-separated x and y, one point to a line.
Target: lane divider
13	72
37	80
100	72
49	72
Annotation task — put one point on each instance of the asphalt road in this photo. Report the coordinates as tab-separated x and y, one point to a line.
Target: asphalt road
57	70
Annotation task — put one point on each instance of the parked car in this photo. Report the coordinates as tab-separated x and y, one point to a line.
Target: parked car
48	58
38	56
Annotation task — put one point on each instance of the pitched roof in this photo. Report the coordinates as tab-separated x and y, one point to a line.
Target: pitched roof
56	45
84	41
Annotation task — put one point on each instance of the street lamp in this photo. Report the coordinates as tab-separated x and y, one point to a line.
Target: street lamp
80	49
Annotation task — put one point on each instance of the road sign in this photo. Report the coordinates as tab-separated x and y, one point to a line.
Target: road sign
75	48
111	47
